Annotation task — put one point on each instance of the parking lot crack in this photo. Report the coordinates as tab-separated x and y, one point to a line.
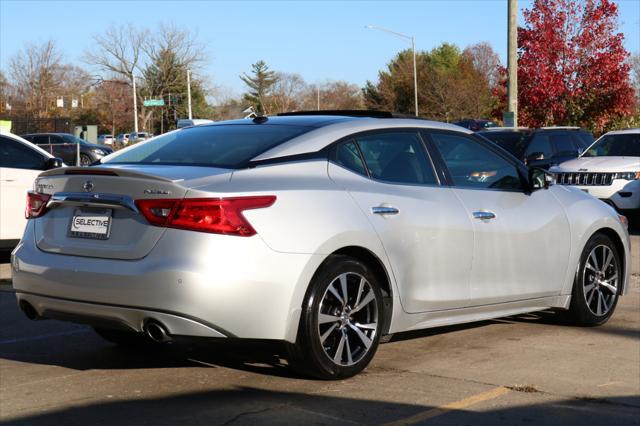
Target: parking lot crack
251	413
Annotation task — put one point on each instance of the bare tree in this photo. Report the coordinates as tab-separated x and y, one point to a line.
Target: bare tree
286	93
35	77
485	60
119	50
333	95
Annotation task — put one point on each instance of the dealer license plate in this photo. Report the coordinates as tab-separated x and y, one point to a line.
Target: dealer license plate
91	224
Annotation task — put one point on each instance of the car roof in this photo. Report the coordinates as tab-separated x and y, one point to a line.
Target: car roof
327	129
624	131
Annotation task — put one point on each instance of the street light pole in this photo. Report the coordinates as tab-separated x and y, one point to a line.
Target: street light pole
413	48
135	104
415	74
189	92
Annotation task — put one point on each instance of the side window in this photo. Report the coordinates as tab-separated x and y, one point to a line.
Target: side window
563	144
56	140
397	157
40	139
540	143
15	155
474	166
348	156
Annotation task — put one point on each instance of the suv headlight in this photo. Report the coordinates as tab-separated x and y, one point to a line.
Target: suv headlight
627	175
99	151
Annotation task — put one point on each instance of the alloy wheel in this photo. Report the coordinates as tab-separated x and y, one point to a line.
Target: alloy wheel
600	280
348	319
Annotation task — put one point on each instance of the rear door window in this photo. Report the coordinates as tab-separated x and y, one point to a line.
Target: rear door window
348	156
563	144
540	143
397	157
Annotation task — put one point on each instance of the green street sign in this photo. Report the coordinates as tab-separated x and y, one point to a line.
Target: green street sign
153	102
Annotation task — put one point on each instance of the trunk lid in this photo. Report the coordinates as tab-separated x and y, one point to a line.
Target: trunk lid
111	192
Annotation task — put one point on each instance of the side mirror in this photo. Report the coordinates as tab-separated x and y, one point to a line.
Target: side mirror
540	179
53	163
534	156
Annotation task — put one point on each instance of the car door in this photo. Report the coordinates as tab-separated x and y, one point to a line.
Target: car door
424	229
67	150
522	239
19	166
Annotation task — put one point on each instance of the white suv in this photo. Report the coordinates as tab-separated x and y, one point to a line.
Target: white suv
609	169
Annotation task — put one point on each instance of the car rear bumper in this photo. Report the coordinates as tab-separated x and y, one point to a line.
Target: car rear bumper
194	284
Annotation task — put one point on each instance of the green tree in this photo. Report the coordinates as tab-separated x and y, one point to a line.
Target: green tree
260	84
450	85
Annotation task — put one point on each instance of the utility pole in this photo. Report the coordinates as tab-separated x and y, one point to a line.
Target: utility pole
135	104
189	92
512	61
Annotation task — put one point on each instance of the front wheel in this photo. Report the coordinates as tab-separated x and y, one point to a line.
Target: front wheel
85	160
597	283
341	320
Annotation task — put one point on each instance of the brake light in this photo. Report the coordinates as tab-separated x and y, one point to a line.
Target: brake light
214	215
36	204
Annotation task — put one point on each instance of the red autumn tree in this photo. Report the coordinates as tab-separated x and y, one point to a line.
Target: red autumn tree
572	66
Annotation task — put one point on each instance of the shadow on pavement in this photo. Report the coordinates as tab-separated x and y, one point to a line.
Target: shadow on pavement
247	405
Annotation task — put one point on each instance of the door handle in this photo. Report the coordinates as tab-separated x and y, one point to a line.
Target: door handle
484	215
384	210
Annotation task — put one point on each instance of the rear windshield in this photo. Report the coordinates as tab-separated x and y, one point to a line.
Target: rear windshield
226	146
514	142
621	145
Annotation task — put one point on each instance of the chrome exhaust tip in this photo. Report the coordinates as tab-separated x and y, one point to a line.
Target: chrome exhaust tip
156	332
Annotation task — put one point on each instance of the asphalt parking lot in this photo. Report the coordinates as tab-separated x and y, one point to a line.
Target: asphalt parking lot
528	369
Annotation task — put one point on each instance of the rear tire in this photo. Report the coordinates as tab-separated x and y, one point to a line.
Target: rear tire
341	321
123	338
597	284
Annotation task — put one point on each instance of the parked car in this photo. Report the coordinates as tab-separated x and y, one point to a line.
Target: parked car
325	232
186	122
609	170
20	163
65	146
543	147
136	137
122	139
105	140
476	125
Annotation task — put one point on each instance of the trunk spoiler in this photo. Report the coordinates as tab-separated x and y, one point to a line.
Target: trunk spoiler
102	171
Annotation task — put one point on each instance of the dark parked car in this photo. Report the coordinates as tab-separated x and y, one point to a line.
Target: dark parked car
543	147
475	125
64	145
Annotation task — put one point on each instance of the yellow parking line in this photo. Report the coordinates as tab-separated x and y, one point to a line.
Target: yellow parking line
456	405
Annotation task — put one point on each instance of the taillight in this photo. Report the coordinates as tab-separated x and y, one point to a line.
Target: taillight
214	215
36	204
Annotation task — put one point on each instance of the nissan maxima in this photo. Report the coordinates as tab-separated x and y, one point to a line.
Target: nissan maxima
325	232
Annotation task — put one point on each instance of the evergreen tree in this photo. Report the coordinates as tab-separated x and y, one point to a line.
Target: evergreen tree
260	85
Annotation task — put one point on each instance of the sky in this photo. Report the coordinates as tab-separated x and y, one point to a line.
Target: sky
319	40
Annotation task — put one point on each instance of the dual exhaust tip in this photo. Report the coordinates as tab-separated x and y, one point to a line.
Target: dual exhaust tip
153	329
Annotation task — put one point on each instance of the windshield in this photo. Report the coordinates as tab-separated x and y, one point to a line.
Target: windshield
514	142
620	145
227	146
